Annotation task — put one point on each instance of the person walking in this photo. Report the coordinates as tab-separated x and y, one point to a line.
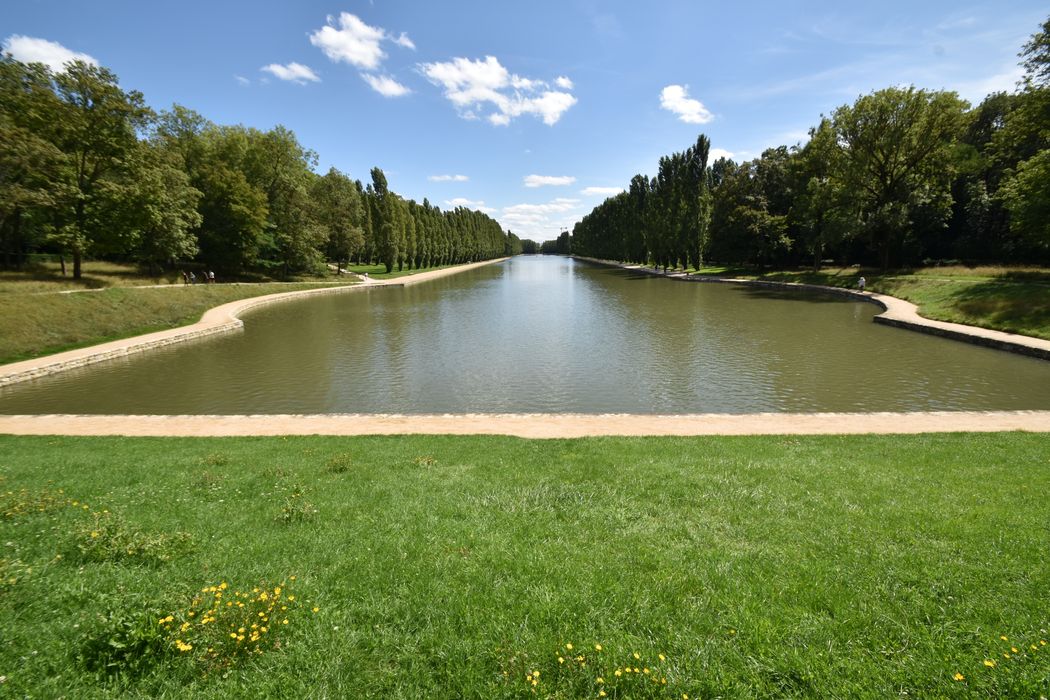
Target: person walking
860	284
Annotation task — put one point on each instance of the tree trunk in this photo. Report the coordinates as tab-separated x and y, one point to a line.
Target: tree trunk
77	260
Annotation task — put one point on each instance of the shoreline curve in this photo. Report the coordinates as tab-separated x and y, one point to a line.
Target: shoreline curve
220	319
895	312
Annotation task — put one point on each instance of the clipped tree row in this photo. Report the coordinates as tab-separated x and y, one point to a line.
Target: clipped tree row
900	176
87	169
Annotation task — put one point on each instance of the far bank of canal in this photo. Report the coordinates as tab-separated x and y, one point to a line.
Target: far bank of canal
552	335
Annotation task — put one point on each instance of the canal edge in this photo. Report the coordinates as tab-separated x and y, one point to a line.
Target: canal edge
215	321
897	313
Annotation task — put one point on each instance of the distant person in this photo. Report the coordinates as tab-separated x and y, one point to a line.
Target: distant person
860	284
211	277
185	278
193	278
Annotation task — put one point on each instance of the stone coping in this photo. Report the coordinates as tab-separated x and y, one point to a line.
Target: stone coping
221	319
896	312
531	425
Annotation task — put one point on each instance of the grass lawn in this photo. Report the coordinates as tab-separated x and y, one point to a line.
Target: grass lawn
441	567
379	272
35	324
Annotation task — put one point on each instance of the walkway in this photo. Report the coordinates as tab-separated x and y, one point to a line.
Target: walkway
531	425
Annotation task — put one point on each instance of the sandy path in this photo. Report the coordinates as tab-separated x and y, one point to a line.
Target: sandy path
531	425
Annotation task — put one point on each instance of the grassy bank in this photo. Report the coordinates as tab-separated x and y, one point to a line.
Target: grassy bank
40	324
1015	300
460	567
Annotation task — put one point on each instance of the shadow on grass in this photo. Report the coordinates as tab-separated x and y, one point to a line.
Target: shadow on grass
1015	307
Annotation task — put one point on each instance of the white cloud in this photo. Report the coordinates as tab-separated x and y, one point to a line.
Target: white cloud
477	86
293	72
541	221
548	180
353	41
601	191
404	41
716	153
385	85
447	178
564	83
476	204
975	90
675	98
241	80
29	49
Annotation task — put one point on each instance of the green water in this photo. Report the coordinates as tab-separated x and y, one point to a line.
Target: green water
551	335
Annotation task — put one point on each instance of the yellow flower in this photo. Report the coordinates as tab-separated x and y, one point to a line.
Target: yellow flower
182	646
662	657
1003	637
1013	649
569	647
617	673
636	655
601	693
316	609
597	647
959	677
94	533
536	673
645	671
989	663
291	597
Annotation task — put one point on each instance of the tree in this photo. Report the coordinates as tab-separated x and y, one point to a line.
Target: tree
30	163
1036	57
162	208
97	126
384	220
821	211
337	208
1027	197
896	160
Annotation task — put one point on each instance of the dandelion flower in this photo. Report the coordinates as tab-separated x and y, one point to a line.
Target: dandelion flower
316	609
601	693
599	680
1013	649
569	647
617	673
959	677
636	655
597	647
989	663
661	657
561	659
1003	637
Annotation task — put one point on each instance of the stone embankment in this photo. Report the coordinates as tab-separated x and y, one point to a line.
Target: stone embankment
896	312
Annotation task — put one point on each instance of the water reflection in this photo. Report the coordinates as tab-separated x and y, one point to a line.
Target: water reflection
543	334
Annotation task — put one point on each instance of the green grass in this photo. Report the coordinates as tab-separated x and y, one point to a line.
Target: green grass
762	567
40	324
379	271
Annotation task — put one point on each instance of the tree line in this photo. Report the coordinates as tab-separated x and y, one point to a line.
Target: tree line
900	177
88	169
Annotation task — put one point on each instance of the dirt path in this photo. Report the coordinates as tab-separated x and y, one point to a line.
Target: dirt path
531	425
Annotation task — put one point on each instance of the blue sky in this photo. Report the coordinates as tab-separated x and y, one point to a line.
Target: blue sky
531	111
